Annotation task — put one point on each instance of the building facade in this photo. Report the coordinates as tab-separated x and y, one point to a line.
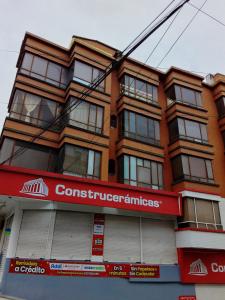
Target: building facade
123	196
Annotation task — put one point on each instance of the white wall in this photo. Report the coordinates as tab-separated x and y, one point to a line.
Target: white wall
210	292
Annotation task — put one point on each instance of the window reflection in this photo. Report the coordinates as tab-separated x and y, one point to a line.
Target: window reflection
140	172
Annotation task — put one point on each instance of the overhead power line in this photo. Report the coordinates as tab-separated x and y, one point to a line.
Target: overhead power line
207	14
113	66
134	40
180	35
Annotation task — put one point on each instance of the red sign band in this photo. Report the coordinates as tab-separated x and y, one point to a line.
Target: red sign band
65	268
56	187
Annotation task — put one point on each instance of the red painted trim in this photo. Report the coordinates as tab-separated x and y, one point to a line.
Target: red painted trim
201	230
85	180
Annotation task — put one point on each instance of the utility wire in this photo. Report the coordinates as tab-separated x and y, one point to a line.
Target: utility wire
207	14
134	40
114	65
182	32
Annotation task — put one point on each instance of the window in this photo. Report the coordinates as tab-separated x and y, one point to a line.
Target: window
185	95
192	168
85	115
87	74
139	89
45	70
220	104
141	172
34	156
223	135
139	127
200	213
188	130
80	162
34	109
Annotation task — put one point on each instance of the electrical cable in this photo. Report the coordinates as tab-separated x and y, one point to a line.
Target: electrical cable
207	14
182	32
100	79
134	40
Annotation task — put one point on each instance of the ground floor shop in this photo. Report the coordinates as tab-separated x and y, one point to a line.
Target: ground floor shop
69	238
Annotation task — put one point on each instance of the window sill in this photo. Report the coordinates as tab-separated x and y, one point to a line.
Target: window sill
200	230
194	181
30	124
189	140
139	100
86	86
138	141
186	105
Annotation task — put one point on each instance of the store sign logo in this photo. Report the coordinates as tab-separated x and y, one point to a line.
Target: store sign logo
198	268
36	187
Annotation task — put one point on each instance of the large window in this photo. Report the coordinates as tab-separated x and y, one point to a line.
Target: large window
80	162
33	156
177	93
220	104
188	130
192	168
140	172
85	115
139	127
34	109
139	89
200	213
87	74
45	70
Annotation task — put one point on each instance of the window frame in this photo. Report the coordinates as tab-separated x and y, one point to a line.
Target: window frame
29	72
51	153
125	115
220	105
176	88
196	222
34	120
178	135
99	88
183	177
135	182
62	156
126	89
71	122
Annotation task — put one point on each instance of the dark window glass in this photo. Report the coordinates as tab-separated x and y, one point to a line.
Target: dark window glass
80	162
192	168
86	115
140	172
87	74
223	135
139	89
113	121
220	104
139	127
33	157
200	213
177	93
45	70
112	167
34	109
189	130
